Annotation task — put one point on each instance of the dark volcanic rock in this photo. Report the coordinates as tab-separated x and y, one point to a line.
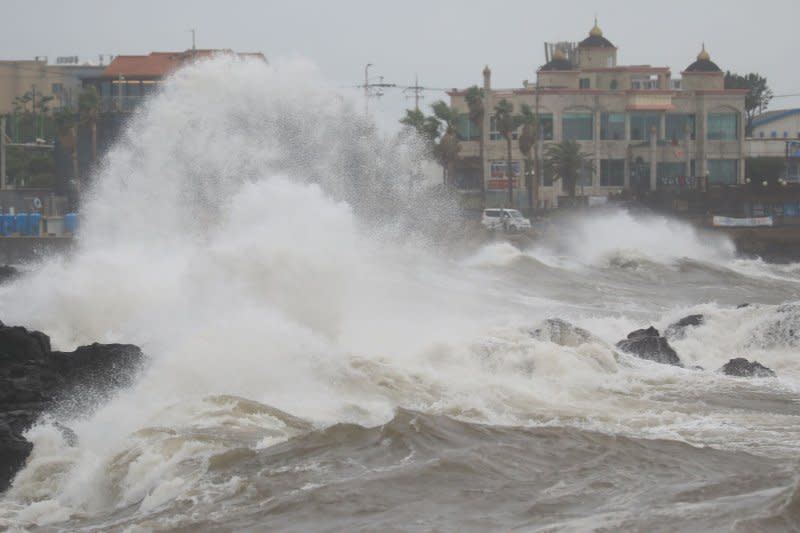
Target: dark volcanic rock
678	328
741	367
649	344
34	379
7	273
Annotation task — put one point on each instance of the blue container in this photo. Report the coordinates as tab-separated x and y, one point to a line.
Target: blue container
21	223
34	224
70	223
6	224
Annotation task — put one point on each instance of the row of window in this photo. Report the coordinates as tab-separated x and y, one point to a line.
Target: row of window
612	173
774	134
638	84
579	126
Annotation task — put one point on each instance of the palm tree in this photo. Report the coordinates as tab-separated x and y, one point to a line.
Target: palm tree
527	139
507	122
477	111
448	147
565	160
88	104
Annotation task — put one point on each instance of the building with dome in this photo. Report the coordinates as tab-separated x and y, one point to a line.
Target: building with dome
645	129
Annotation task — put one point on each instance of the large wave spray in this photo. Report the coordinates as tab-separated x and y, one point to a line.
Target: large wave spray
251	233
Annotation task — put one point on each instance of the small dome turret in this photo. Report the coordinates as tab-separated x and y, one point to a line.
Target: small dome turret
703	63
595	38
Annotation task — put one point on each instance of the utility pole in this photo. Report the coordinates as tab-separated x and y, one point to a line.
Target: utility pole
536	147
3	152
33	110
194	48
417	90
366	88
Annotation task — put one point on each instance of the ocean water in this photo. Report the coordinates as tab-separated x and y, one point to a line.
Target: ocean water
332	348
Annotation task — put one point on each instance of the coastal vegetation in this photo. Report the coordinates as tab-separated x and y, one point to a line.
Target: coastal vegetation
565	161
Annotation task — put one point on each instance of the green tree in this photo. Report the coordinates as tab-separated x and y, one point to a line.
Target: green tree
477	112
757	98
88	105
446	150
527	140
507	123
565	160
66	121
427	127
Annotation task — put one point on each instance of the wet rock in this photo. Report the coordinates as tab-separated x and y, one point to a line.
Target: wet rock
7	273
678	329
561	332
649	344
741	367
742	306
34	379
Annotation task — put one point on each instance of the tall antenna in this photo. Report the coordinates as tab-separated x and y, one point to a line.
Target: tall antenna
194	48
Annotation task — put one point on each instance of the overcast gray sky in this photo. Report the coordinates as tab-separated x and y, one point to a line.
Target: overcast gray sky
445	42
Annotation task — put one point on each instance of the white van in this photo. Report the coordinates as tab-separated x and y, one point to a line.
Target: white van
506	219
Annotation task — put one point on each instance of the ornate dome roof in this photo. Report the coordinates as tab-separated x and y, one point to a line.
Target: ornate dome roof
559	61
703	63
595	39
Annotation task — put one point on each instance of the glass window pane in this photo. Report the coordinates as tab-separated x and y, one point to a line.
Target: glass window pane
612	172
676	125
546	125
642	123
722	126
723	171
612	126
577	126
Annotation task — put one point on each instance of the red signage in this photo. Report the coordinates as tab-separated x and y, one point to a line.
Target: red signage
502	183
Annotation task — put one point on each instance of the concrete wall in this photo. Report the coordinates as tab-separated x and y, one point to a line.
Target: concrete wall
702	81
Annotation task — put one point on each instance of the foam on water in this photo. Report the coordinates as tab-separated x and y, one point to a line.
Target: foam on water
259	241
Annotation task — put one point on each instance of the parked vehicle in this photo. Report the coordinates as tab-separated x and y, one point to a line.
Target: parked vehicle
509	220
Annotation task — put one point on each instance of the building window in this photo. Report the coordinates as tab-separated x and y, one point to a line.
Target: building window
614	84
642	122
722	126
577	125
547	176
670	174
761	134
785	134
57	88
612	126
546	126
466	130
774	135
612	172
583	83
676	125
723	171
495	135
645	83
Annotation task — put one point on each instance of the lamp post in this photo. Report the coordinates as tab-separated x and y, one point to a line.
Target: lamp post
120	81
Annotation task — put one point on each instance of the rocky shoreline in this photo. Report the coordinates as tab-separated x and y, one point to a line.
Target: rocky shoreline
34	379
